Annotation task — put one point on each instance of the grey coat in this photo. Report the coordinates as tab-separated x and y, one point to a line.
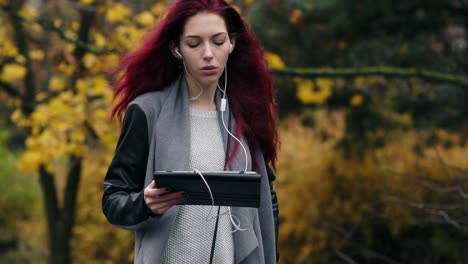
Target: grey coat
167	114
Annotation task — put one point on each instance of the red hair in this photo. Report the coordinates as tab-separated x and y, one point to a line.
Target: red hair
249	89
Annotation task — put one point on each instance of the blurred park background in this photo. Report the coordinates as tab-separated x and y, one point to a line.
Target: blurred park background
373	121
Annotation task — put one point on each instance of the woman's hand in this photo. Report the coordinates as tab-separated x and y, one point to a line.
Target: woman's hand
159	200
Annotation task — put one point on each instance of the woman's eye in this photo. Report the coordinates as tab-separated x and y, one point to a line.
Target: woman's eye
193	45
219	43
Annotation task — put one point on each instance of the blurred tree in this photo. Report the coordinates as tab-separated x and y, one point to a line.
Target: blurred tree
54	63
404	61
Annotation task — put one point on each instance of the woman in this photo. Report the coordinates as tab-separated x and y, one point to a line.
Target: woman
171	92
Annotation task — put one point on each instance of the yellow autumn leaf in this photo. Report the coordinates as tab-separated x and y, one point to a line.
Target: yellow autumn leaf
20	59
158	9
274	60
89	60
12	72
99	84
118	13
296	17
111	61
71	34
82	86
67	69
56	84
307	93
16	116
58	23
7	49
29	162
99	40
37	55
75	26
356	100
145	19
87	2
28	13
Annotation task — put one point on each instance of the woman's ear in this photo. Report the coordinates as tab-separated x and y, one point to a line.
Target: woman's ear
232	45
175	51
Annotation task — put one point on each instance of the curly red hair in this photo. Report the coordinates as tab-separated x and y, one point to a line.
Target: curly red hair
152	67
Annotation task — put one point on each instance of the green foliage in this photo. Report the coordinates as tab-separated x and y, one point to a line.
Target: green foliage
19	208
19	192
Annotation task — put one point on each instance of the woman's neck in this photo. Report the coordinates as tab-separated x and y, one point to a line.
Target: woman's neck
201	98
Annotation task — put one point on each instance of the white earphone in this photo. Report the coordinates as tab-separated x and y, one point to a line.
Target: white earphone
178	54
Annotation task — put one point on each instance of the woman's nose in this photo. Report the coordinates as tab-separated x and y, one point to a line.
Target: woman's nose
207	52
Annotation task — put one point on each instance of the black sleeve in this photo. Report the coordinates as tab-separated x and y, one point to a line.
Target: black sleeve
122	201
274	202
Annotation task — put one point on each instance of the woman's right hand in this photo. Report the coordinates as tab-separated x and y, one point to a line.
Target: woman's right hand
159	200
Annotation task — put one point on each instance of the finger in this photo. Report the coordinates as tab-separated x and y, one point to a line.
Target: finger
152	184
152	192
161	208
159	205
154	201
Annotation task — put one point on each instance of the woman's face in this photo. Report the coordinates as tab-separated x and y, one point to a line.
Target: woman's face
205	47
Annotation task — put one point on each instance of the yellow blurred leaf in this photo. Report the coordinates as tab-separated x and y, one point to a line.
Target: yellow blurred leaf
356	100
296	17
274	60
111	61
75	26
7	48
29	162
58	23
28	13
307	93
89	60
145	19
37	55
158	8
118	13
56	84
82	86
87	2
20	59
99	40
12	72
16	116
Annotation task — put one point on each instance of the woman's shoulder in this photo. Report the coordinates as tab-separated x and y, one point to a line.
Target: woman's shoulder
153	99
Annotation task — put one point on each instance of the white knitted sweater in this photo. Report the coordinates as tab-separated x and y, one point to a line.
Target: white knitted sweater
192	234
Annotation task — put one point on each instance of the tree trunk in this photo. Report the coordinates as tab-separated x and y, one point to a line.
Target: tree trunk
60	220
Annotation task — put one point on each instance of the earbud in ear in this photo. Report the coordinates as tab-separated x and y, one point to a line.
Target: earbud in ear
230	47
178	54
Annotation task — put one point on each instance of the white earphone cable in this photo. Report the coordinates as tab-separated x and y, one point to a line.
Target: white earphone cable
193	78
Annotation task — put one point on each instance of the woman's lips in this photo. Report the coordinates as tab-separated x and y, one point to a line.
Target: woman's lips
209	70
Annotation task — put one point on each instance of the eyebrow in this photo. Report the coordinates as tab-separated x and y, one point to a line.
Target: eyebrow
213	36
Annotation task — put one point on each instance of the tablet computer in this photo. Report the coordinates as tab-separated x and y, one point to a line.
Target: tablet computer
229	188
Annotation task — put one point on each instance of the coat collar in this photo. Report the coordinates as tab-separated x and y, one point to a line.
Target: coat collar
172	131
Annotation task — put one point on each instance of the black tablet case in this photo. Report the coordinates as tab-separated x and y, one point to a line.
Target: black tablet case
229	188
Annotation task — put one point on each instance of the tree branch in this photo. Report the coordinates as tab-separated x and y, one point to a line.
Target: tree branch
28	98
70	194
384	71
9	89
49	192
